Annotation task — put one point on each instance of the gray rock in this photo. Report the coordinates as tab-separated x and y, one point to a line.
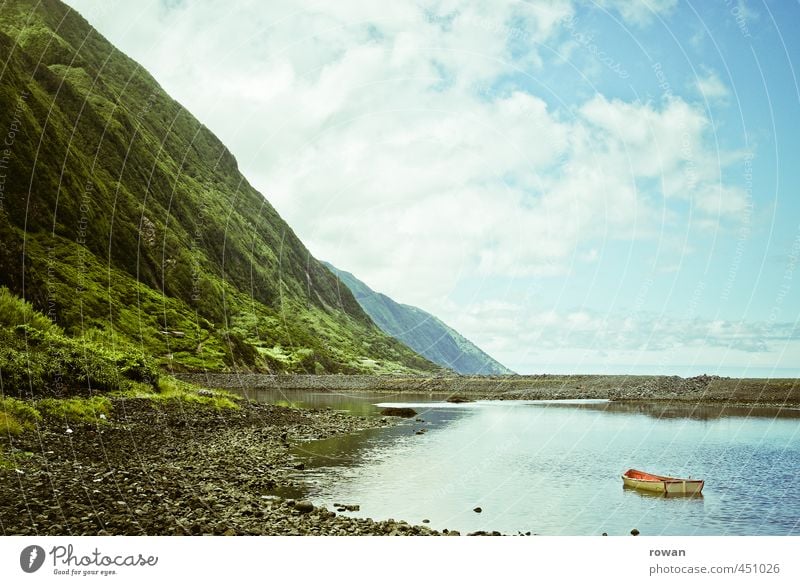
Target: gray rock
304	506
401	412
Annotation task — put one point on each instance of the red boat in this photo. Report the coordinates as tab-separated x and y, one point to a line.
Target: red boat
641	480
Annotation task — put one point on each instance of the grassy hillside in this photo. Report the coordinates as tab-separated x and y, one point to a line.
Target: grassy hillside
421	331
127	223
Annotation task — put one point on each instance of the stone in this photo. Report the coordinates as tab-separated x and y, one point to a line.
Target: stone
455	399
635	532
304	506
401	412
478	509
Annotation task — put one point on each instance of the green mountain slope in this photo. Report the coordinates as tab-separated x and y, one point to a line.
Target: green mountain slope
421	331
127	222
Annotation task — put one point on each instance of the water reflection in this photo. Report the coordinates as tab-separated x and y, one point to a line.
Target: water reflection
648	494
361	404
668	409
555	468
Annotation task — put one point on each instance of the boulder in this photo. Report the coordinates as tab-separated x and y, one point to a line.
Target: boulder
401	412
304	506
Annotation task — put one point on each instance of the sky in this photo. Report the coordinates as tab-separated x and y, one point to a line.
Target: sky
576	186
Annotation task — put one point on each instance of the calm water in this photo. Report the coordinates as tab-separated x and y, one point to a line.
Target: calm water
554	468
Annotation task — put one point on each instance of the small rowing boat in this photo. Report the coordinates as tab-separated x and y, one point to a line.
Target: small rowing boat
642	480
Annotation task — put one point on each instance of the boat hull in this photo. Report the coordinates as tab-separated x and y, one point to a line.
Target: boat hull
660	484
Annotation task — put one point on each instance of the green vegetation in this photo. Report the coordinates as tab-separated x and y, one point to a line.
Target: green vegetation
136	241
38	359
421	331
17	416
95	409
171	389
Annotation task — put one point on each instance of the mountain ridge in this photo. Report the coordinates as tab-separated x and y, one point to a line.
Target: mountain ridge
127	222
424	333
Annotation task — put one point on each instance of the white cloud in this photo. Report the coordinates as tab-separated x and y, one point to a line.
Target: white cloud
711	87
535	340
376	131
639	12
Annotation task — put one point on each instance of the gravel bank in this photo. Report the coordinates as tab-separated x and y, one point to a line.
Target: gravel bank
700	389
173	468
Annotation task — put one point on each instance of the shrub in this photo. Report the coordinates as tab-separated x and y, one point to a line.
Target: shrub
14	311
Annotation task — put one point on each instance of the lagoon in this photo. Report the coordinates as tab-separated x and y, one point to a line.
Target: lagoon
553	467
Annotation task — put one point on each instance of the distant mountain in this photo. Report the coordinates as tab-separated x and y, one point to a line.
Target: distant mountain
128	223
421	331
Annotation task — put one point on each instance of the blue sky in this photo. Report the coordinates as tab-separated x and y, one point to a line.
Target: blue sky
603	186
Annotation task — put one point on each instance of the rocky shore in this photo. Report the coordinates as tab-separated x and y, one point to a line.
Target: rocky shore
173	468
699	389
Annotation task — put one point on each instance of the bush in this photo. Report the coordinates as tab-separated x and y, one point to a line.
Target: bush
14	311
138	369
38	359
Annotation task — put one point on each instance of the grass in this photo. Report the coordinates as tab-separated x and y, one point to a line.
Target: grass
17	416
77	410
172	389
15	312
9	425
38	359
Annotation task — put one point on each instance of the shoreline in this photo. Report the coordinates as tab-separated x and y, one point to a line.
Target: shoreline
175	468
699	389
